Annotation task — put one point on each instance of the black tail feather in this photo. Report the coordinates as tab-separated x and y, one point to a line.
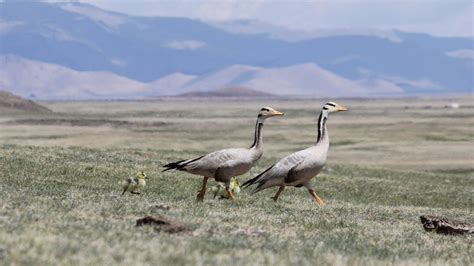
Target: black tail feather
255	179
173	165
179	165
250	182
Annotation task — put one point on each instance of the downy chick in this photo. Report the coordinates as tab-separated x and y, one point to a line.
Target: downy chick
134	183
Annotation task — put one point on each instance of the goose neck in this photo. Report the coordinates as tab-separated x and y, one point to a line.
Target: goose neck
322	129
258	138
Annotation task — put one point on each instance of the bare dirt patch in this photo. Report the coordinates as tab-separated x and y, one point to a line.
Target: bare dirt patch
162	224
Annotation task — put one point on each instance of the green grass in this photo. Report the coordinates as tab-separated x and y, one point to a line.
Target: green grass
60	201
63	206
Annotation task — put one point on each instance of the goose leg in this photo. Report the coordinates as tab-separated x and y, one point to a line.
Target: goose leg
277	195
229	193
202	192
318	199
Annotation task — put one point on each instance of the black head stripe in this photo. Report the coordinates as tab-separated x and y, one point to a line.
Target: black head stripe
265	109
331	104
325	108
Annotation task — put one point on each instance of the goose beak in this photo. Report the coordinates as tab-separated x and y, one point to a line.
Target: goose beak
277	113
341	108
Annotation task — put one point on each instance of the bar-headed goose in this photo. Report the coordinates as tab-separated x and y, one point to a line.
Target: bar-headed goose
222	165
299	168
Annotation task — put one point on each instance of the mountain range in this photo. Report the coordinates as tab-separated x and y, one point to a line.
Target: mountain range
78	51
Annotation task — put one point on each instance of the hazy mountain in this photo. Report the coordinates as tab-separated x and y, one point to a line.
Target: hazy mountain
34	79
170	85
234	92
83	38
304	79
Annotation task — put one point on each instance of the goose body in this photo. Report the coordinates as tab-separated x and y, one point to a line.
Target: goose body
297	169
222	165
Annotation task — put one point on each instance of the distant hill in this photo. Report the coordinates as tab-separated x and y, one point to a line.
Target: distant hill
12	103
39	80
170	85
232	92
304	79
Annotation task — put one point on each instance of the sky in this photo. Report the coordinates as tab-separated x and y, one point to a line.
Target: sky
437	17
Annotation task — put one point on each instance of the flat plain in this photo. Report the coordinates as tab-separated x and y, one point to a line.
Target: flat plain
390	161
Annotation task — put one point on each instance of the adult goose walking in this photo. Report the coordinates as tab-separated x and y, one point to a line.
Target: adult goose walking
299	168
222	165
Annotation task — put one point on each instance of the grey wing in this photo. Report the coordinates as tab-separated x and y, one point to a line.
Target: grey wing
301	173
214	159
293	173
276	174
309	167
223	156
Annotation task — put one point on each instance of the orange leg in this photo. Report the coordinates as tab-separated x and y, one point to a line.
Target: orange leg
277	195
202	192
230	194
318	199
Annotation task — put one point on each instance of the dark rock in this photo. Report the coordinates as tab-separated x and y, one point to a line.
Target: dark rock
442	225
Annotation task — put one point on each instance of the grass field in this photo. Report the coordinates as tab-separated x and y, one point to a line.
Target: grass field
390	162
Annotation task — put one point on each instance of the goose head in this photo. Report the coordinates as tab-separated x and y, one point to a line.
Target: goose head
333	107
267	112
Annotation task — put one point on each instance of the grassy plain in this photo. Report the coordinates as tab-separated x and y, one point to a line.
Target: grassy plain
390	162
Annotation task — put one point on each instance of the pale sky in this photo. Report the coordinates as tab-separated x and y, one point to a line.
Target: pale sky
438	17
